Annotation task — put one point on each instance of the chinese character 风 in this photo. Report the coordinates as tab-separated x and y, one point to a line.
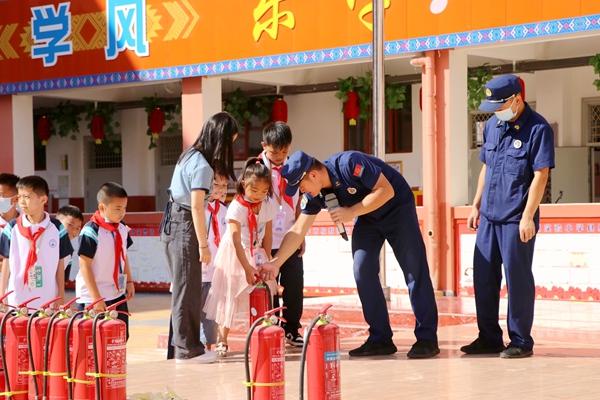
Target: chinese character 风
50	28
126	28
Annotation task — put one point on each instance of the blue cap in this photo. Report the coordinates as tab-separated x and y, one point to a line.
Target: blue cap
296	166
498	91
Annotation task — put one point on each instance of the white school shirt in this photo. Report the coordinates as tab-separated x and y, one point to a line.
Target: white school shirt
285	216
208	270
239	213
53	246
98	244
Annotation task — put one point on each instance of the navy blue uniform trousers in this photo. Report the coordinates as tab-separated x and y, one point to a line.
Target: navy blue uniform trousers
497	244
400	227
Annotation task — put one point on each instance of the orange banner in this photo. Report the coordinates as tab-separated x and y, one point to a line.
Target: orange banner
43	40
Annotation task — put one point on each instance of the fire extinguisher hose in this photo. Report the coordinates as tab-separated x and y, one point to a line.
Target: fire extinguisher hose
69	377
312	325
97	374
249	382
34	373
247	355
8	392
46	354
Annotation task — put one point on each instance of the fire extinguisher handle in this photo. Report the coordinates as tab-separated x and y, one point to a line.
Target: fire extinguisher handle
5	296
69	303
114	306
91	306
274	311
325	308
48	303
24	304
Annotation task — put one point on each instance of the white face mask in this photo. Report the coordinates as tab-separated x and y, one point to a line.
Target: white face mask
508	114
5	204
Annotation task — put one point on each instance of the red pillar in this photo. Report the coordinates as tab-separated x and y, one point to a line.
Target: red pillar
6	134
437	212
191	110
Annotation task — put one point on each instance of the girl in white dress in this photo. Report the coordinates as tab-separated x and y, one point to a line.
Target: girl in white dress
245	246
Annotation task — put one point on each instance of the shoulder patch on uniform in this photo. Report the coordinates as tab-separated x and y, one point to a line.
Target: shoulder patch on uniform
358	170
303	202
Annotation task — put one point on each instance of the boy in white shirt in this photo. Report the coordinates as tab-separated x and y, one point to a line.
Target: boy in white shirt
8	200
72	219
34	246
104	271
216	224
276	143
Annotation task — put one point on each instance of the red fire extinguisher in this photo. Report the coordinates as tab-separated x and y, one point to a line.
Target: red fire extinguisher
3	310
54	384
322	352
110	354
14	337
37	326
265	342
80	358
261	301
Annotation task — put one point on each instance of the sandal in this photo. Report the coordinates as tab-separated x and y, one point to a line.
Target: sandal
221	349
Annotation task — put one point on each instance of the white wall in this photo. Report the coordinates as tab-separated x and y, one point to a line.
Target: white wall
139	166
317	123
57	149
22	122
318	127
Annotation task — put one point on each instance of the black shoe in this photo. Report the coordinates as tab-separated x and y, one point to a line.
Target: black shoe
373	349
423	349
294	340
478	346
516	352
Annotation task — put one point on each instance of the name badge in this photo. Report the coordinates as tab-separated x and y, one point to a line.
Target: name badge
122	282
280	217
36	279
260	257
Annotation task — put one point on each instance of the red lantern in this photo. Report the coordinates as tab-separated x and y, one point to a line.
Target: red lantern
156	122
43	129
279	111
352	108
522	83
97	128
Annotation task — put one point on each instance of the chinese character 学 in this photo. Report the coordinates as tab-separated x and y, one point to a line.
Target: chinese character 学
50	28
271	24
126	28
366	10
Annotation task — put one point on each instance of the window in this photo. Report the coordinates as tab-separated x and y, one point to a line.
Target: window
248	143
594	123
39	156
398	131
105	155
477	123
170	148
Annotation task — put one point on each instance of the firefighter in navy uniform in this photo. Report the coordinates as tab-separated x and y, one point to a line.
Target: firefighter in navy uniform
517	153
381	201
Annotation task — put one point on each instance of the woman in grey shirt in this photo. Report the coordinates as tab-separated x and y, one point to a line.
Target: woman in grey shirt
184	233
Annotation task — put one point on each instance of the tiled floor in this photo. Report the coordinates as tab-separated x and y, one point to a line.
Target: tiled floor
566	364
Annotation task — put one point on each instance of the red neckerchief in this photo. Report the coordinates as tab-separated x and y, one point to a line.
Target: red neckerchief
252	223
114	229
214	220
32	238
282	187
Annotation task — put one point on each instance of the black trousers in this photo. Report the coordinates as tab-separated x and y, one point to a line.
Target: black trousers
183	257
291	277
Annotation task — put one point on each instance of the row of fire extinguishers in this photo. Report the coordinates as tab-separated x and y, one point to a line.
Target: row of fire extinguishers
265	347
37	363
